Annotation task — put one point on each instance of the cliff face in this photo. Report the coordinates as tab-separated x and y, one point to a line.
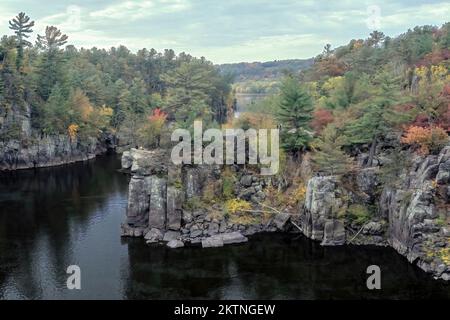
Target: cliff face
163	203
26	149
412	217
46	151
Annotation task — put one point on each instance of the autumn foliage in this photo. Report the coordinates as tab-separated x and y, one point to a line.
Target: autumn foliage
428	140
321	118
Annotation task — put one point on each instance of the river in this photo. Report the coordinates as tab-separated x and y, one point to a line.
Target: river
55	217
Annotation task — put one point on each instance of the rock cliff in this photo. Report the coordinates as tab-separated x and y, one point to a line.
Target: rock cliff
411	215
26	149
164	203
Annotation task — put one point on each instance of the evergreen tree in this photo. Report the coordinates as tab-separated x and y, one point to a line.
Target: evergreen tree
295	115
49	67
328	156
189	91
21	25
378	116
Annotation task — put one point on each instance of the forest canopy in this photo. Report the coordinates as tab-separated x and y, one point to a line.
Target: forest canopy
84	92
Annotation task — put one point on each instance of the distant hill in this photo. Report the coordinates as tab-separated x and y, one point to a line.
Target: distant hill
270	70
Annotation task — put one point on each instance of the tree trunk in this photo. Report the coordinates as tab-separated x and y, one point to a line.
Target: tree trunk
373	146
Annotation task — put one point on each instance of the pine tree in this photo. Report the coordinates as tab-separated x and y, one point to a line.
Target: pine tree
379	117
21	25
295	115
49	68
328	156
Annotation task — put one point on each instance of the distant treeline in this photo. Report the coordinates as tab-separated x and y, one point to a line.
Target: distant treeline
264	70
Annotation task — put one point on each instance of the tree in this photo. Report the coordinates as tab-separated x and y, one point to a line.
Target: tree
328	156
151	132
295	115
322	117
376	37
188	93
49	67
52	40
378	117
21	25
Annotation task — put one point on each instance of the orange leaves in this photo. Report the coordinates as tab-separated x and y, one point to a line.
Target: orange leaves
158	116
429	140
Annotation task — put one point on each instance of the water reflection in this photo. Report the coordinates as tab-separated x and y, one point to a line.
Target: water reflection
52	218
55	217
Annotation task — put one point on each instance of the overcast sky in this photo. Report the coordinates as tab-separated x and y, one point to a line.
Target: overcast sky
226	30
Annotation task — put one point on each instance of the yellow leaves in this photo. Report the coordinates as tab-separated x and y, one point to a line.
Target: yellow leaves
332	84
72	130
444	254
81	102
237	205
300	192
434	73
105	111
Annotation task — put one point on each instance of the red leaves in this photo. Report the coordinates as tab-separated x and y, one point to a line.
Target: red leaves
158	116
321	118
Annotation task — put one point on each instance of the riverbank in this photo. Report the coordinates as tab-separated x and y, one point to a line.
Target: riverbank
54	217
179	205
50	151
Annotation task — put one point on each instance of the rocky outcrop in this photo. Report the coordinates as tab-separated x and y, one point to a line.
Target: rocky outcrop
412	216
21	147
46	151
163	202
418	214
324	199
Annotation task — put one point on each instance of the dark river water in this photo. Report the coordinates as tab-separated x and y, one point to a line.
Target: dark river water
53	218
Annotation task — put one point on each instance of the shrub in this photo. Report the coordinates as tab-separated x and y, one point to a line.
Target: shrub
228	180
193	204
428	140
237	205
358	213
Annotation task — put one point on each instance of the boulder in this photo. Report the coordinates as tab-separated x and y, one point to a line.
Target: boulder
233	237
171	235
212	242
281	219
154	235
127	160
173	244
373	228
246	181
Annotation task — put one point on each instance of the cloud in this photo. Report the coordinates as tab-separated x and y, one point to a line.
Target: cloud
225	31
134	10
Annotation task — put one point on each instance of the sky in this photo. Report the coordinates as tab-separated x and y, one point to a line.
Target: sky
225	31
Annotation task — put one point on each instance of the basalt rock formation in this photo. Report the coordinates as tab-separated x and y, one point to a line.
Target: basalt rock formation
163	202
411	216
27	149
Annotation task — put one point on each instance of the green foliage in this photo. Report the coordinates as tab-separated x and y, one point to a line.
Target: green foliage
46	77
295	114
228	181
193	203
358	214
328	156
21	25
